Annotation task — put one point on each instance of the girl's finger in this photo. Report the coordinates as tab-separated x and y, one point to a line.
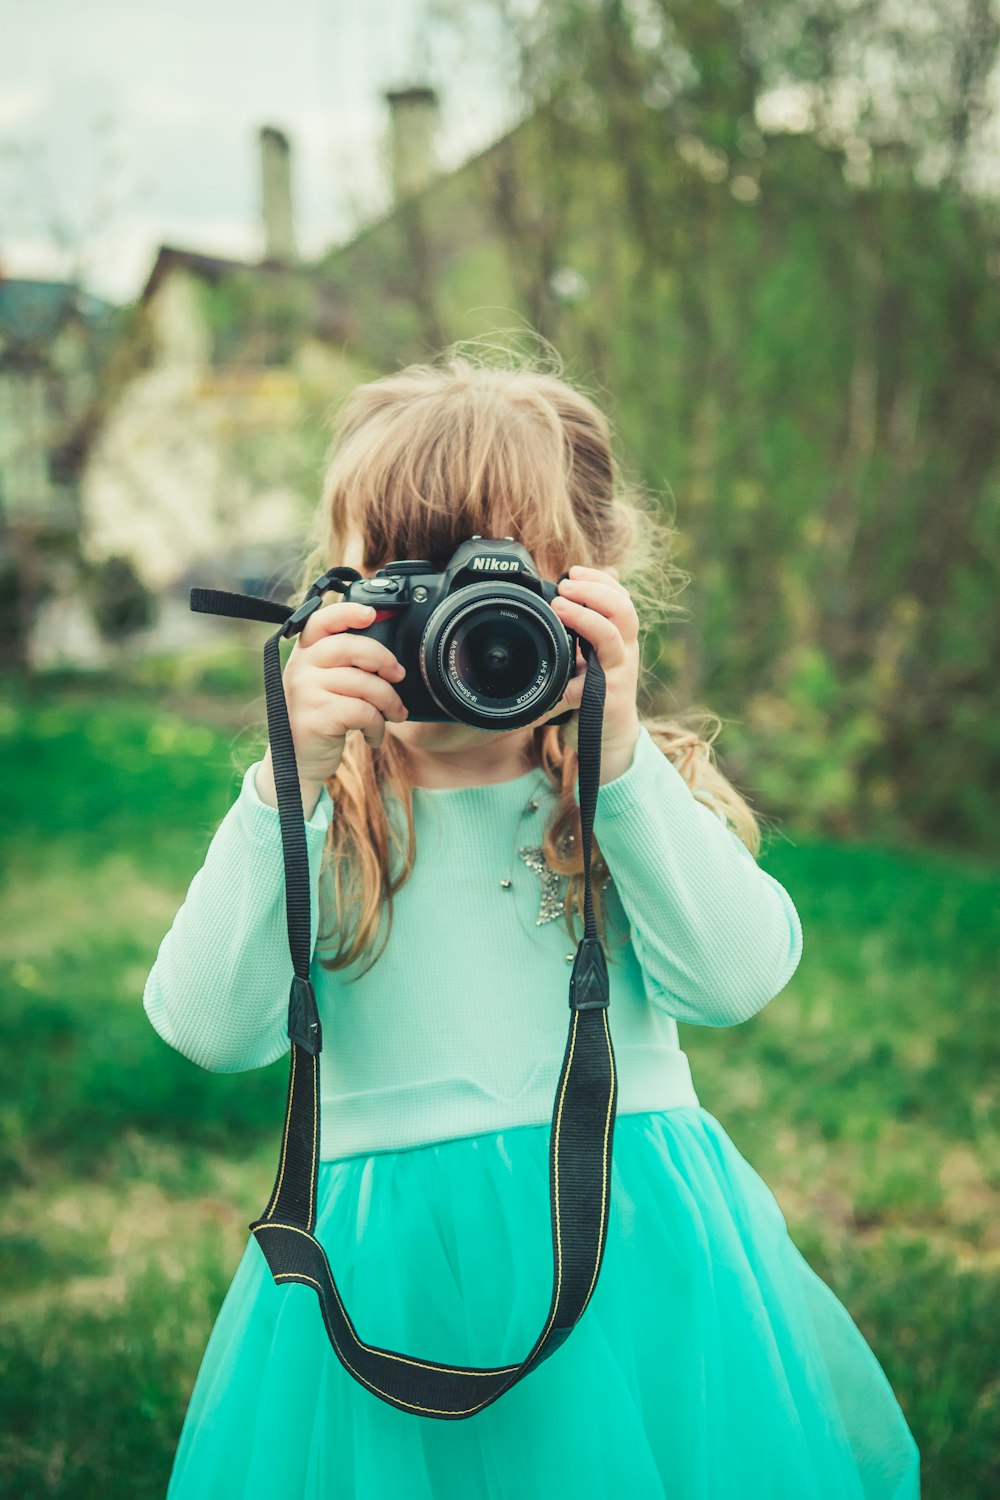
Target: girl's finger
353	648
572	697
356	682
602	633
597	574
605	599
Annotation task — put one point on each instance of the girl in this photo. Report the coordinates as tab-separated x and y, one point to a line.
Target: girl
446	885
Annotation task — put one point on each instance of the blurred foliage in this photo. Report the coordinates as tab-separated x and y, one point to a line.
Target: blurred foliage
863	1095
120	602
255	321
229	670
796	333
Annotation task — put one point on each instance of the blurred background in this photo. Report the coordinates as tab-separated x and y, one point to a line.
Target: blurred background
765	236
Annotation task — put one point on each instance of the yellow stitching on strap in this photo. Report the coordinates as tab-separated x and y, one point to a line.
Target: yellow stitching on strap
557	1127
604	1158
369	1348
284	1141
412	1406
312	1164
455	1369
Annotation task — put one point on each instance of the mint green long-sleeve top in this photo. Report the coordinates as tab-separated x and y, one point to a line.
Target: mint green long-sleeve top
460	1026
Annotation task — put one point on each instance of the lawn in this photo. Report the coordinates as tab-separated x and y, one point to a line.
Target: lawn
864	1095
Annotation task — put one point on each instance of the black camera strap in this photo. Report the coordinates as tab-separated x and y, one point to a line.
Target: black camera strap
583	1116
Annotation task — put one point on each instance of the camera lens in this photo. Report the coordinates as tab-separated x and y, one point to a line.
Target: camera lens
498	657
494	657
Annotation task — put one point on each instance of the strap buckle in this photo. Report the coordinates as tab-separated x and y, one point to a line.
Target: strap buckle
297	619
339	578
588	983
303	1017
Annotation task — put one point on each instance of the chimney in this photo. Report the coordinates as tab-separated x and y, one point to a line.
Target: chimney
413	118
276	195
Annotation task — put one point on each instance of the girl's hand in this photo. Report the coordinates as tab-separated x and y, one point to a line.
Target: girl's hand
595	605
336	680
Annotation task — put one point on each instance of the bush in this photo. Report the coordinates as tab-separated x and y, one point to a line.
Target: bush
120	601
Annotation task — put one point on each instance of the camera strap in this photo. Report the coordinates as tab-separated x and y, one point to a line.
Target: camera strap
583	1115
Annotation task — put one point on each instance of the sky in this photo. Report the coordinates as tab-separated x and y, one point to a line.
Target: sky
124	124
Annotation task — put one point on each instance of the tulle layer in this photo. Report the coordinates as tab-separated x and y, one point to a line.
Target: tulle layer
711	1364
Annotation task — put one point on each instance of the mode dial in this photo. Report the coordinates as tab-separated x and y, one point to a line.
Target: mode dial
421	565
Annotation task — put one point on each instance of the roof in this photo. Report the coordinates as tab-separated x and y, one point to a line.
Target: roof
437	182
205	267
330	308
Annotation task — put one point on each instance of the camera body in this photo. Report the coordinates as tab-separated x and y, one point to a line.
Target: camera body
479	640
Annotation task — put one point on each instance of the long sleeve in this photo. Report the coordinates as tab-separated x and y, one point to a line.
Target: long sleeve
715	935
218	991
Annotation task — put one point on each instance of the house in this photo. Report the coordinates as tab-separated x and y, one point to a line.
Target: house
207	443
205	446
207	439
199	449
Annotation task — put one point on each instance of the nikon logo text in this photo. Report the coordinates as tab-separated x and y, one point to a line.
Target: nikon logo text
501	564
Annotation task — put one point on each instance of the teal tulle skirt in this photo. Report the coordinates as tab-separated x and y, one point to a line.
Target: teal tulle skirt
712	1363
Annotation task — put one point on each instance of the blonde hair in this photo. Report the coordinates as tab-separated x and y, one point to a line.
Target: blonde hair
496	442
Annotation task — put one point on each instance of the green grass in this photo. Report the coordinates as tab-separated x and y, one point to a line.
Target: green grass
864	1095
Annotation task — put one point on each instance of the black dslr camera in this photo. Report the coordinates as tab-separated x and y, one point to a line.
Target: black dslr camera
480	641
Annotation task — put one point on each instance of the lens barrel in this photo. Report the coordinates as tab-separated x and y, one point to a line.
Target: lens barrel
496	656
